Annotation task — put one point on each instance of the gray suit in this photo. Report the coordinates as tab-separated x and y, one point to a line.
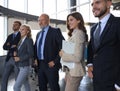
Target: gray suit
25	52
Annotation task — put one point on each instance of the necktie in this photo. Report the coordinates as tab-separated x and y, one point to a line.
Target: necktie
97	36
40	43
14	36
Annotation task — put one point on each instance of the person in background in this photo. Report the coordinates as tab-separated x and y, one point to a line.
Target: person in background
22	58
77	34
10	45
47	46
104	48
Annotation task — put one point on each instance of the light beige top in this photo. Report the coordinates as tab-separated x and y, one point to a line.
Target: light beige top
78	37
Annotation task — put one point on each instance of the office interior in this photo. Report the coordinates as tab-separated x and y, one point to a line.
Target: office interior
27	11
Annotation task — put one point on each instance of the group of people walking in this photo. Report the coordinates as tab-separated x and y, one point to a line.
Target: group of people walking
103	60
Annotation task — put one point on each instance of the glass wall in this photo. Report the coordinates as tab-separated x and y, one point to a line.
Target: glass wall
2	2
62	9
17	5
56	9
49	7
2	36
35	7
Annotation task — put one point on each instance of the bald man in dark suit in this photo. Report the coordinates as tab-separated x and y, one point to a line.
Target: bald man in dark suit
47	54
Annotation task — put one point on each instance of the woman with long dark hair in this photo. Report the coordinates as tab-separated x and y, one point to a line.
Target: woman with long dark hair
77	35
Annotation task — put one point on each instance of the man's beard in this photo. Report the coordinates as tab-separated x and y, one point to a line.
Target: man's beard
102	13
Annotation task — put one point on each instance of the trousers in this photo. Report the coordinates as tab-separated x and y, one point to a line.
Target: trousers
9	67
22	79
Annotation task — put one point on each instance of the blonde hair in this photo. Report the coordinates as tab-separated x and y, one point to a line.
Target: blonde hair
28	28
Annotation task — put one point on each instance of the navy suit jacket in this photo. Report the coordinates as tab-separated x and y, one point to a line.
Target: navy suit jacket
11	42
106	59
52	46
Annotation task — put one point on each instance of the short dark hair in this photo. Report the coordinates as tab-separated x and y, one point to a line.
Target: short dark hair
109	0
18	22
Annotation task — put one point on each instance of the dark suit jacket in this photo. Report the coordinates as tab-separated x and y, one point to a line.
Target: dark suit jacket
53	44
25	52
11	41
106	59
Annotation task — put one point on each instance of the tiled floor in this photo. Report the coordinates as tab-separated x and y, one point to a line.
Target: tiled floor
86	83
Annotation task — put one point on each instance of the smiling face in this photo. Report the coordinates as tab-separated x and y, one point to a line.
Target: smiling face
101	8
24	30
73	22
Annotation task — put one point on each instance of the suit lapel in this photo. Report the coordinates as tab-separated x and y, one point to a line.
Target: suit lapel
23	43
105	31
47	35
107	28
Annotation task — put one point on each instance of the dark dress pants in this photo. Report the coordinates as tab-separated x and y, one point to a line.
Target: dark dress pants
103	86
47	76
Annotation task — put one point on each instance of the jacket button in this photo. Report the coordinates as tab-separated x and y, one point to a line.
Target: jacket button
95	55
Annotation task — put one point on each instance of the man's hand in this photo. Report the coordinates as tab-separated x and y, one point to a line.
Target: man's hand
13	46
51	64
8	44
90	69
35	62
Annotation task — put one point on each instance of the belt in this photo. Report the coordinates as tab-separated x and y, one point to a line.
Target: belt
41	60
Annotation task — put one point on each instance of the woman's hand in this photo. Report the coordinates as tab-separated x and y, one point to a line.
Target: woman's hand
51	64
61	53
16	59
14	53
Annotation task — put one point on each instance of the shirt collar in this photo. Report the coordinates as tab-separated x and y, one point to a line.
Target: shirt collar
105	19
46	29
24	38
15	33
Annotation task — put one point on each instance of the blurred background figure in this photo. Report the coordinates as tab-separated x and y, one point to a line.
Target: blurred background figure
10	45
